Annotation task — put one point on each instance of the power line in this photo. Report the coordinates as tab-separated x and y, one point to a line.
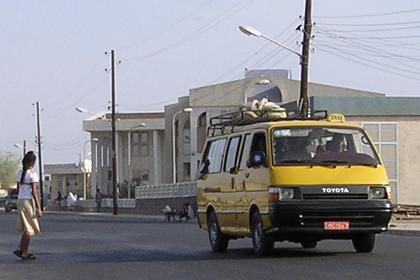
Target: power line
385	54
376	30
370	52
241	64
372	15
362	62
376	49
59	97
369	24
168	27
197	32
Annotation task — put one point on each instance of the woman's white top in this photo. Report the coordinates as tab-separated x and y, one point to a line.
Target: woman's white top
25	188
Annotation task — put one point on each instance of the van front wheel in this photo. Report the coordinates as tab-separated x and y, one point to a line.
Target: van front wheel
262	243
364	243
218	241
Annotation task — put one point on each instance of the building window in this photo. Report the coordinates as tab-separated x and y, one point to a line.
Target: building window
201	132
135	147
384	136
144	144
187	171
187	139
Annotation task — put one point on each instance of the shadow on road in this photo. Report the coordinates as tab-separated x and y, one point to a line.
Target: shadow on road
125	256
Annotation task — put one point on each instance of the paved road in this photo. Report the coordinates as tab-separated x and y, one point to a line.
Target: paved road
106	247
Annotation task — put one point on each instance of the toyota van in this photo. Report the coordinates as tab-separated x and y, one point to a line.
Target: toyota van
291	179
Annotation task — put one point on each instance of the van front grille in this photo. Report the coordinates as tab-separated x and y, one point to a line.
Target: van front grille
318	196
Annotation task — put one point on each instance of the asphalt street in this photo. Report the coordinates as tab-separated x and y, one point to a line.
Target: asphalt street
74	246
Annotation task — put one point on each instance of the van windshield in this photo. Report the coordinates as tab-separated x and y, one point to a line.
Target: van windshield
322	146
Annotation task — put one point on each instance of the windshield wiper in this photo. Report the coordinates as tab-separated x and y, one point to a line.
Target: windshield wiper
338	161
298	160
333	162
367	164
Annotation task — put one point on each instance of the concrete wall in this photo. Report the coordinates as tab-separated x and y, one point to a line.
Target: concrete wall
155	206
408	155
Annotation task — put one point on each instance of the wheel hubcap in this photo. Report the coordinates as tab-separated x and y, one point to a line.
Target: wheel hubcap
257	234
213	227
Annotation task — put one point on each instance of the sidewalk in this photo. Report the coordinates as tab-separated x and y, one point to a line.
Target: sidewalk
407	226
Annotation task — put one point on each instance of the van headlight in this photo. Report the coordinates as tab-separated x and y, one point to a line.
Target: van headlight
378	193
277	193
286	193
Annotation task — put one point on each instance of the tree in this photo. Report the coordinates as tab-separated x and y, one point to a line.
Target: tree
8	166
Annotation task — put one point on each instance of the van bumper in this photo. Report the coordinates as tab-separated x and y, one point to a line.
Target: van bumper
302	218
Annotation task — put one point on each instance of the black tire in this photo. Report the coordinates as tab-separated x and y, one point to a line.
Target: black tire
8	209
262	243
218	241
364	243
309	244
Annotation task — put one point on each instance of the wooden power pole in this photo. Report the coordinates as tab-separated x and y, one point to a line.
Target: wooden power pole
41	187
307	30
114	148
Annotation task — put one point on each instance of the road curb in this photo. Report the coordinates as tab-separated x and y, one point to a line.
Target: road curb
403	232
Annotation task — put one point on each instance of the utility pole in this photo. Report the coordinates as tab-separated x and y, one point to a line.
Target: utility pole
114	160
41	187
307	30
24	147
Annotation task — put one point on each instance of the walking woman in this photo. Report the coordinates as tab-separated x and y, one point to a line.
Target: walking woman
29	207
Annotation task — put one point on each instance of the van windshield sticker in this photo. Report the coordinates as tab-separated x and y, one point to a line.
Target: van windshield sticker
282	133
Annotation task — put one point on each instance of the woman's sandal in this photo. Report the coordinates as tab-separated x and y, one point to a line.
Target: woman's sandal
17	253
28	257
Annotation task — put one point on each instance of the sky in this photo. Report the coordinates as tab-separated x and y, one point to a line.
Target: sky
53	52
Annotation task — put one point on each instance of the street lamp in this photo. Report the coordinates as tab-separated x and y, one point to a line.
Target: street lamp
83	110
250	31
84	165
20	146
303	100
185	110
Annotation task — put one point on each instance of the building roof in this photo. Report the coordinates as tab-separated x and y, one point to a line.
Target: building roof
62	169
368	106
133	116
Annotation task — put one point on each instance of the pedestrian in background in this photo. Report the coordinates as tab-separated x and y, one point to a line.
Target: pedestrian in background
98	199
28	204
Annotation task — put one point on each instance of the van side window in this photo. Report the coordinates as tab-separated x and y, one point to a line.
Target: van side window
245	151
259	145
215	155
232	152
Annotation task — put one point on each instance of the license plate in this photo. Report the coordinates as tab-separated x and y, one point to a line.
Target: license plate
336	225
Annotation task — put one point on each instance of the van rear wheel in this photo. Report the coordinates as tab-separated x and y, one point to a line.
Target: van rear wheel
364	243
218	241
262	243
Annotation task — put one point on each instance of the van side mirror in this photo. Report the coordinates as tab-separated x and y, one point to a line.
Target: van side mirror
204	170
257	159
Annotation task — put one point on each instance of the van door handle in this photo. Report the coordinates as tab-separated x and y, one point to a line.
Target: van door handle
233	182
247	175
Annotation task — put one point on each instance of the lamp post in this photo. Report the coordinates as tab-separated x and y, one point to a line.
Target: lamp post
304	57
84	165
185	110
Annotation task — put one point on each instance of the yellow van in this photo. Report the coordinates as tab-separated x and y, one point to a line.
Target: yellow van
291	179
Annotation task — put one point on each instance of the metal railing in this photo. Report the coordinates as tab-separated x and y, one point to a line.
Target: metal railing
166	191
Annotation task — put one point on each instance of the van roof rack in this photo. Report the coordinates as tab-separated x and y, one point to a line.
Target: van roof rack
226	123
